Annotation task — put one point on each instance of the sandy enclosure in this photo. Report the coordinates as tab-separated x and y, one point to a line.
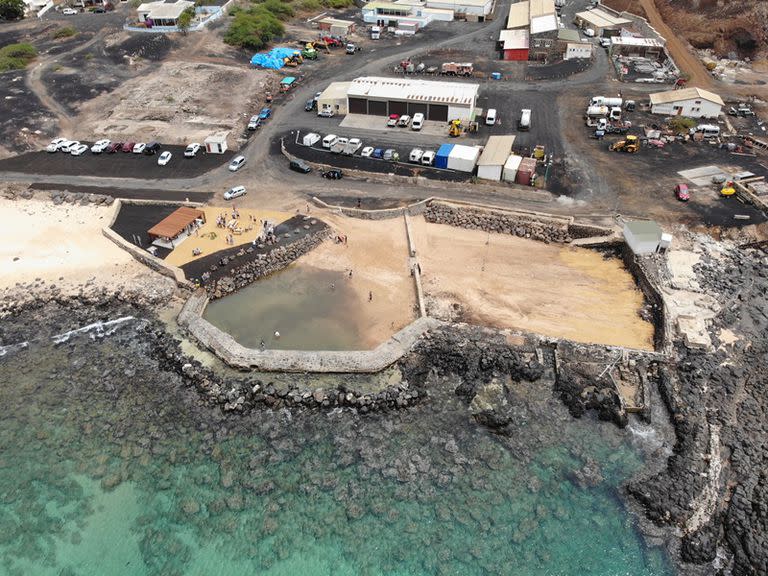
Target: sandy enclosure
508	282
62	245
377	254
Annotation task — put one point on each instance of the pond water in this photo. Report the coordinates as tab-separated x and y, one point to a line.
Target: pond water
111	466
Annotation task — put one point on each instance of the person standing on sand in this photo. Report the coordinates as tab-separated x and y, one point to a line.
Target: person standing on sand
370	296
350	273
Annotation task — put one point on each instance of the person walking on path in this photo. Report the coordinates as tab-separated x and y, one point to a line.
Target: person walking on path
370	296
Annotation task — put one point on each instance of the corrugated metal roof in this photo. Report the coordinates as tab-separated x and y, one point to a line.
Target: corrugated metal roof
542	7
685	94
517	39
175	222
335	90
336	22
497	150
633	41
568	35
169	11
601	18
414	90
541	24
518	15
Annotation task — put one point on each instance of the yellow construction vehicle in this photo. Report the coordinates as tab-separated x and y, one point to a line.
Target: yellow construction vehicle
630	145
538	152
727	189
454	128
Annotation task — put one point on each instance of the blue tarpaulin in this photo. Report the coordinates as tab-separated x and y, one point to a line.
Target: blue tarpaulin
272	59
441	158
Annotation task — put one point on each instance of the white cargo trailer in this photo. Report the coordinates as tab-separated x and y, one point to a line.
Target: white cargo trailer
310	139
510	168
463	158
603	101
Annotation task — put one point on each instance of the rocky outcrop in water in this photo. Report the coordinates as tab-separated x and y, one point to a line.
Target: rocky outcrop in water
243	272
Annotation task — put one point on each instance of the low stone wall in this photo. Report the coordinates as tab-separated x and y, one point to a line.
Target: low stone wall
576	230
353	361
517	223
382	214
264	265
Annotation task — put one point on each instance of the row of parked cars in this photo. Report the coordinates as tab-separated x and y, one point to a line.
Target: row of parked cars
350	146
405	120
76	148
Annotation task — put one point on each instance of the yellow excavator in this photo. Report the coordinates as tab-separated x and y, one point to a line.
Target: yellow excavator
454	128
630	145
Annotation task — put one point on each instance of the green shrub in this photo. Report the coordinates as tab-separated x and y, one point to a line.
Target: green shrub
65	32
282	10
253	28
16	56
310	5
681	124
338	3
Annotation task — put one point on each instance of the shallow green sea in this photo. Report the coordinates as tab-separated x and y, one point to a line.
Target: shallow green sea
110	467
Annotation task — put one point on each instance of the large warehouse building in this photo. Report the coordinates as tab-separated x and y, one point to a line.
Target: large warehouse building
438	101
692	102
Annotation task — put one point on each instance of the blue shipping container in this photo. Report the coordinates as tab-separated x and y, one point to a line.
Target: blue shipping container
441	158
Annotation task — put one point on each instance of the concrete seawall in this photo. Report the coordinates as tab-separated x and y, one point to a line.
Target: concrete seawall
353	361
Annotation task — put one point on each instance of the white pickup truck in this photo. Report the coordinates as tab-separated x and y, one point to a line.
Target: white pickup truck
352	146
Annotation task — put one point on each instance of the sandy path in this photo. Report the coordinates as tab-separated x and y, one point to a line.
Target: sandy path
62	245
508	282
685	60
377	254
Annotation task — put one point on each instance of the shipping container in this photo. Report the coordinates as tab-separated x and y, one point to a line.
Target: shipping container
463	158
526	172
441	158
510	168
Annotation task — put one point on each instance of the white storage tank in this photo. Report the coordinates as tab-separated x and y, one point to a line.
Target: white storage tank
463	158
510	168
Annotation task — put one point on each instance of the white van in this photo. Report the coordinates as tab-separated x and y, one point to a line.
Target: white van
427	158
708	130
329	140
418	121
415	155
490	117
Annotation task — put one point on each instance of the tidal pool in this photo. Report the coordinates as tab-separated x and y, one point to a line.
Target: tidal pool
311	308
111	466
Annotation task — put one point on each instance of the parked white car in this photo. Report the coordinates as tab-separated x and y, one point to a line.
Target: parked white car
366	152
490	117
139	148
55	144
235	192
99	146
78	150
415	155
428	158
418	121
237	163
69	11
404	121
164	158
69	145
192	150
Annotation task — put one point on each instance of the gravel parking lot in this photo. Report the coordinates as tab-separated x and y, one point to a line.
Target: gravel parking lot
117	165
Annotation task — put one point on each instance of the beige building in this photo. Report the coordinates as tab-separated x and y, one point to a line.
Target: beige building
334	98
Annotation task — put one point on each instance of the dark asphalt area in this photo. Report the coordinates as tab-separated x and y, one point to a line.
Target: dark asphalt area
323	156
134	220
213	263
129	193
117	165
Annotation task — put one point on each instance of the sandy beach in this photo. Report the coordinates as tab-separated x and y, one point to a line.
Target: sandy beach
63	245
509	282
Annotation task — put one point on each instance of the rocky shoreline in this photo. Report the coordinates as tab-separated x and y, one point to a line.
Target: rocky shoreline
712	491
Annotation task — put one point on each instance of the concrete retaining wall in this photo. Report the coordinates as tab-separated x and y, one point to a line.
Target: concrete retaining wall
652	295
354	361
140	254
382	214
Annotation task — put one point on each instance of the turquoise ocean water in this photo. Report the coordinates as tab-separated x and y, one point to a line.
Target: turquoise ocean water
110	467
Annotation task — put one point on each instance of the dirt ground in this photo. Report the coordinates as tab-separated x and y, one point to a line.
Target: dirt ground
178	102
377	254
63	245
508	282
